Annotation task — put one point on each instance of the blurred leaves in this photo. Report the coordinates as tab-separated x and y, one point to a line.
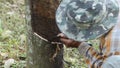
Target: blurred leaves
74	59
12	32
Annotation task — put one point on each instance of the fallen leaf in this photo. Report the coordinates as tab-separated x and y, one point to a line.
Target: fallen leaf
4	55
8	63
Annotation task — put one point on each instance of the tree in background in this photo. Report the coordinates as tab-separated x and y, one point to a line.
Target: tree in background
41	21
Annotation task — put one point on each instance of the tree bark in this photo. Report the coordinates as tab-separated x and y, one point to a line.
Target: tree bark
40	17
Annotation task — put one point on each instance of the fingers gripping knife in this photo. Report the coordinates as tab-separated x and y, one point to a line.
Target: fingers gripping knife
51	42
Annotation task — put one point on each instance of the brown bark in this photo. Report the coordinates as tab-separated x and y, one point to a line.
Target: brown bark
43	17
41	20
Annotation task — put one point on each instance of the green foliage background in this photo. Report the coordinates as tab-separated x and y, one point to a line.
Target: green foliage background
12	32
13	37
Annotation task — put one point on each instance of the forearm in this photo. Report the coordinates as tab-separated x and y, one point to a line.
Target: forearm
83	48
92	56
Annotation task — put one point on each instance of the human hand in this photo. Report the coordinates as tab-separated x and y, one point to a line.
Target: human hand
67	41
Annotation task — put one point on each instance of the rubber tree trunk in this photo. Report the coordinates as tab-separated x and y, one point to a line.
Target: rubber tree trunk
40	18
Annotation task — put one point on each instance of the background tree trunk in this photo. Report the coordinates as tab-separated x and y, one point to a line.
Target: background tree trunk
41	20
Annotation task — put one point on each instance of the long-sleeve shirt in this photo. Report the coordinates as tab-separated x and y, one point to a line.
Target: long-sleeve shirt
109	45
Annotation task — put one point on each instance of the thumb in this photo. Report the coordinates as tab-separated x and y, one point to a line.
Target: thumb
62	35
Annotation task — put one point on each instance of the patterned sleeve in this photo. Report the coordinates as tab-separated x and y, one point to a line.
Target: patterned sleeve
92	56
